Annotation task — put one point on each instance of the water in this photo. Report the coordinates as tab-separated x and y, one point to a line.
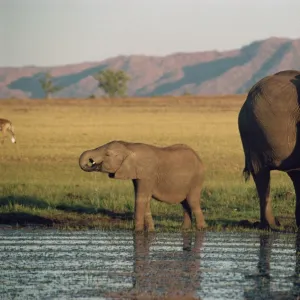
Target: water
48	264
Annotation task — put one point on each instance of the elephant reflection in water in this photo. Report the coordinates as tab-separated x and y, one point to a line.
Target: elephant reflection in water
165	274
262	280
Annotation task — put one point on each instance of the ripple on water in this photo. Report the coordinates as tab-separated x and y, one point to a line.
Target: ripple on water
46	264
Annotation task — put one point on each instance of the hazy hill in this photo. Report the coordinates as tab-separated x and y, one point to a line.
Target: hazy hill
211	72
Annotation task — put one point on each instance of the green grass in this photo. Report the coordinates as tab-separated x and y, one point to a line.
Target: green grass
41	182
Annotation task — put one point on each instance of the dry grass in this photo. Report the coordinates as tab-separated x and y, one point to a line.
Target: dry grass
52	134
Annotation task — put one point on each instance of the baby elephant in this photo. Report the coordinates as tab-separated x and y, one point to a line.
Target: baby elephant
172	174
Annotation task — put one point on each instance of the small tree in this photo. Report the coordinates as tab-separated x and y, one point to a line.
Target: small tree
186	93
113	83
47	85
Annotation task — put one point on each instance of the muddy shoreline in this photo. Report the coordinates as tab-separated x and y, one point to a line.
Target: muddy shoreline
77	221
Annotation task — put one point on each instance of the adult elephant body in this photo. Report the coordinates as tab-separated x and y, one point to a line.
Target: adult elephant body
269	126
171	174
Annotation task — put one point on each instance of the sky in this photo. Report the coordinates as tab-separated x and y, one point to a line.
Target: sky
60	32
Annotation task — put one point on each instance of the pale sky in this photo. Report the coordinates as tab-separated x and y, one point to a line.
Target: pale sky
58	32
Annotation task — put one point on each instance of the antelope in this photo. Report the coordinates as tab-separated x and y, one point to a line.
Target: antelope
6	126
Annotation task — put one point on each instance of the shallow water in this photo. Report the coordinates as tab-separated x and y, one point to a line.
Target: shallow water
48	264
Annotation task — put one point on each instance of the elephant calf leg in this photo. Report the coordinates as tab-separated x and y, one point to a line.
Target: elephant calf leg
193	200
262	182
149	224
143	195
139	214
187	215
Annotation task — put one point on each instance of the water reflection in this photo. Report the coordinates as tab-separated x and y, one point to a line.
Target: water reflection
40	264
159	272
264	281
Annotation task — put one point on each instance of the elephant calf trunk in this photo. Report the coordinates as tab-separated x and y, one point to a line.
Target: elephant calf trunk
86	163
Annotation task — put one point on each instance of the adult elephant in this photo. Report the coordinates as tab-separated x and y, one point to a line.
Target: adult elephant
269	126
290	73
172	174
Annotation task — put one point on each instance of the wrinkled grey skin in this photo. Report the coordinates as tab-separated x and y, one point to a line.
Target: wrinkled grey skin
171	174
269	126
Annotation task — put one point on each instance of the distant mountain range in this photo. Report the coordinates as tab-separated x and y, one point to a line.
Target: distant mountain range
202	73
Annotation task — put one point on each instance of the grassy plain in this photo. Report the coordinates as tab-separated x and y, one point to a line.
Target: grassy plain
41	182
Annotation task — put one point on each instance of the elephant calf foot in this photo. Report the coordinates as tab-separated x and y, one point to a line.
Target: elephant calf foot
142	228
274	225
184	228
186	225
150	228
139	228
201	226
149	224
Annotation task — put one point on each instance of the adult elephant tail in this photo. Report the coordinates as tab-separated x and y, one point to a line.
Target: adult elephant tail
246	173
249	161
244	135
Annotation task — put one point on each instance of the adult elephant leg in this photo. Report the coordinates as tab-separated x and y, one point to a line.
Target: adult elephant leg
262	182
295	176
193	200
143	194
187	215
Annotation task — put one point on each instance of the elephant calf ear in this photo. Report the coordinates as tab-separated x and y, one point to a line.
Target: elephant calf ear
128	168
